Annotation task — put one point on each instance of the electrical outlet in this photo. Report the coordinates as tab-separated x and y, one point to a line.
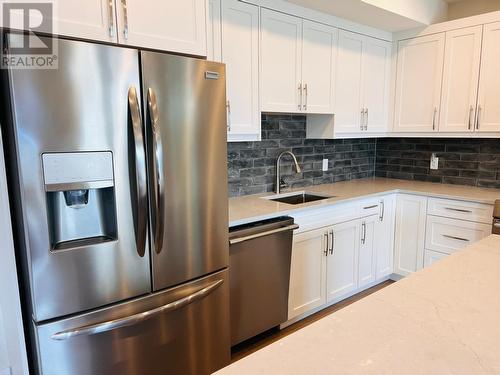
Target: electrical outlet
325	165
434	162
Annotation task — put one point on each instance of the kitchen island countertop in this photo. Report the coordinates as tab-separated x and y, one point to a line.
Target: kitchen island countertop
250	208
444	319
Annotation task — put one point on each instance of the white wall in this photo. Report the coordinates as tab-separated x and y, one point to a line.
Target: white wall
12	346
467	8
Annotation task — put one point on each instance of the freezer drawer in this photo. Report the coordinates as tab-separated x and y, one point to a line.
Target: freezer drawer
183	330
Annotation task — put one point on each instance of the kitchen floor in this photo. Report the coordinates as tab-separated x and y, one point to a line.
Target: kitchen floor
258	342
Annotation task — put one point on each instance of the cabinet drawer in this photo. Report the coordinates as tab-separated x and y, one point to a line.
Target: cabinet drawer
482	213
449	235
431	257
369	207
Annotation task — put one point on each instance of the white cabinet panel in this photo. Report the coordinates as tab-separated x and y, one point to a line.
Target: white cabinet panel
367	252
214	32
449	235
384	237
348	94
460	79
281	50
455	209
177	26
308	272
240	49
488	117
319	53
418	83
410	233
432	257
342	265
376	79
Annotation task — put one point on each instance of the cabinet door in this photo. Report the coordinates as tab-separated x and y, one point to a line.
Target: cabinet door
342	262
418	83
410	233
240	48
319	52
214	31
348	98
460	79
281	49
488	116
95	20
307	272
177	26
376	78
367	255
384	237
432	257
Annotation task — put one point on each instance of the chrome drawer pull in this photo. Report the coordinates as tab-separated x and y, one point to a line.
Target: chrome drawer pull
458	210
369	207
456	238
262	234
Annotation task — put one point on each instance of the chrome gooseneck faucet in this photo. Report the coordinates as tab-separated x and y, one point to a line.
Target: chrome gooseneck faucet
279	182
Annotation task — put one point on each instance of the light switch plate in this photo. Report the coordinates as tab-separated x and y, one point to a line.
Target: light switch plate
434	162
325	165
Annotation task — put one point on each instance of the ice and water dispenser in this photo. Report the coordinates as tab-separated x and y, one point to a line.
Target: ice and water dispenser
80	193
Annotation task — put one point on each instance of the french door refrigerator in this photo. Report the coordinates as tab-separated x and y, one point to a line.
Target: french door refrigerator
118	175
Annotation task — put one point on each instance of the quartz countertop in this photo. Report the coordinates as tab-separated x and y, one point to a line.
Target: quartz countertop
253	207
444	319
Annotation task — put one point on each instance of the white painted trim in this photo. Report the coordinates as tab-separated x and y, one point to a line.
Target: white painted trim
10	308
327	19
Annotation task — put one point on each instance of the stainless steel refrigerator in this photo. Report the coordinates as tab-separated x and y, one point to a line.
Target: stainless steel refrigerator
118	176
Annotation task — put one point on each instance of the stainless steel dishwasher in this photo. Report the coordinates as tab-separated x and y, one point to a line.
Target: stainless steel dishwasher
259	271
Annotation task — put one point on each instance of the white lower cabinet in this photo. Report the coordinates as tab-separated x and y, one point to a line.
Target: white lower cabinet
367	252
409	241
384	237
432	257
342	260
308	272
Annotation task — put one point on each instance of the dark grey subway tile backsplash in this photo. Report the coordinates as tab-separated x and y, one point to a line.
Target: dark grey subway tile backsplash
252	165
474	162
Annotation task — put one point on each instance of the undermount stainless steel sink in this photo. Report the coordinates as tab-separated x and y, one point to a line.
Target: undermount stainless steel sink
298	198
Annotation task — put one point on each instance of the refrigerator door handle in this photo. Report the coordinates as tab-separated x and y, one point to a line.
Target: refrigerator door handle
140	172
137	318
158	184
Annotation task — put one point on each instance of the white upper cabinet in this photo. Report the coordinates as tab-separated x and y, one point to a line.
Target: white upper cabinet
460	79
280	68
348	97
342	262
488	109
362	84
240	53
214	32
319	48
297	64
308	272
418	83
177	26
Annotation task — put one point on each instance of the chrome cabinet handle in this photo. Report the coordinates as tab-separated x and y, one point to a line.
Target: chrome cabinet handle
456	238
262	234
382	210
327	243
458	210
363	238
362	120
125	19
370	207
300	96
471	111
157	173
434	118
305	94
228	108
139	157
478	122
332	244
137	318
366	119
111	18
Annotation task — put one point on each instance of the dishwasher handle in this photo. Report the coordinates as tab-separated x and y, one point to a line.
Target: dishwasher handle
262	234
